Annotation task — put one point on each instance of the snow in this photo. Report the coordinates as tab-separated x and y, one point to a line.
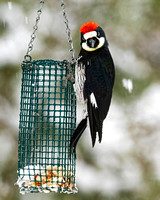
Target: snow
10	6
127	84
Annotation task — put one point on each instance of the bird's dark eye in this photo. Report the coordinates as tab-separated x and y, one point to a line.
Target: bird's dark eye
98	34
83	39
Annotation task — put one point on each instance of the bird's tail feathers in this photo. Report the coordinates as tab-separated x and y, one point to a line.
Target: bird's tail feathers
77	134
91	122
100	126
94	122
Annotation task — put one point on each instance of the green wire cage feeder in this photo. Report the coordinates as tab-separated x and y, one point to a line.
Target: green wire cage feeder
47	122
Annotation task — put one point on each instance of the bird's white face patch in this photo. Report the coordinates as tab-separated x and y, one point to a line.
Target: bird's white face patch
91	35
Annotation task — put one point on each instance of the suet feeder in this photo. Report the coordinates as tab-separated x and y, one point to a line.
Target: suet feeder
47	122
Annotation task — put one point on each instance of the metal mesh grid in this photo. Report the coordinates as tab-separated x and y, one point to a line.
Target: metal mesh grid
47	121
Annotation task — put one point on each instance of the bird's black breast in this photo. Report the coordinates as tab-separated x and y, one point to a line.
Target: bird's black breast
99	70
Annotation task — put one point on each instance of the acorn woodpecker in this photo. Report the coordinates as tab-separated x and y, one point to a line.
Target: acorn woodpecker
94	80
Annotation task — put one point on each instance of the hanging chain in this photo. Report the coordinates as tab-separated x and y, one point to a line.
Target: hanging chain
33	36
68	31
69	37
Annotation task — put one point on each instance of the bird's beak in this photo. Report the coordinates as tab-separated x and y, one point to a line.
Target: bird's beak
91	42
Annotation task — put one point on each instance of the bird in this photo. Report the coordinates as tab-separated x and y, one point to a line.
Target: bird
94	81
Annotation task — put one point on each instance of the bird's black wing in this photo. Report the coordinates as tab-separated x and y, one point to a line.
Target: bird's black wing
106	81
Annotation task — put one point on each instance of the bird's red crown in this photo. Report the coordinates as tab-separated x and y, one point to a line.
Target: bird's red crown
88	27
